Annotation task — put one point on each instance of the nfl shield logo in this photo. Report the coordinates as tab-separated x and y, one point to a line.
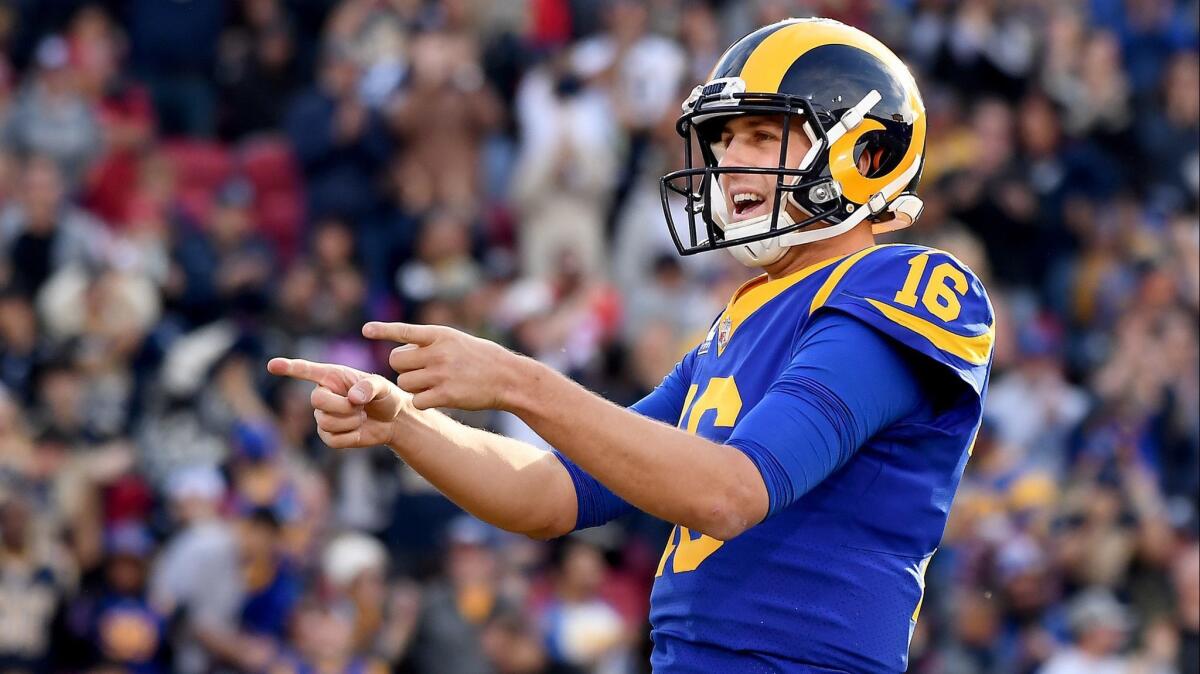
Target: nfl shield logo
723	333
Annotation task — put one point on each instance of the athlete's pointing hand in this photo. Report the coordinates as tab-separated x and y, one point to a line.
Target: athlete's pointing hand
352	408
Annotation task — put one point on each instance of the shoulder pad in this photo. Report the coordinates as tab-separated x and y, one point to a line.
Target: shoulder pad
923	298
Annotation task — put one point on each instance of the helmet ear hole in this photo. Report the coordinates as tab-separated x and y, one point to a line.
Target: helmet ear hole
875	156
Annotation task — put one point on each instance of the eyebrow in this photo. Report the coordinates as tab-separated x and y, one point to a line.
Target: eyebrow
756	122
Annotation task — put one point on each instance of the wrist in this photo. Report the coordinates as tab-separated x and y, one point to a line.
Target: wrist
405	430
523	378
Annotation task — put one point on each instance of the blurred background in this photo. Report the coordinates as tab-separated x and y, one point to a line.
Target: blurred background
188	187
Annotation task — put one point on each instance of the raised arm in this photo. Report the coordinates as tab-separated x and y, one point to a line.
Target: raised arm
502	481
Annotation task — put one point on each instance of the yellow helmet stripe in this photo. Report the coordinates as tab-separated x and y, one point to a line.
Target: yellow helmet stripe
770	61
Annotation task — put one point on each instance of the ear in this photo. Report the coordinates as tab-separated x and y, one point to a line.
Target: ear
870	160
865	162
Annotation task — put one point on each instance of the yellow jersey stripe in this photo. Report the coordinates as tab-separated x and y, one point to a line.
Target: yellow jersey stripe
974	349
835	277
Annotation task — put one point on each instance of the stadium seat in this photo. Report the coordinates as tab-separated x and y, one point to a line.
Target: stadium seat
269	165
280	215
199	164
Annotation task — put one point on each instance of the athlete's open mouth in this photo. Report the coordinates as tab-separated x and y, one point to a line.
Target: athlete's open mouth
747	204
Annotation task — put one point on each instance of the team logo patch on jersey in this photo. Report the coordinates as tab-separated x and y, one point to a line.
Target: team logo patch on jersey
723	331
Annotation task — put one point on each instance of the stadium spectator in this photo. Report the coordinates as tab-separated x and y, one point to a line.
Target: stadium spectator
1099	625
36	581
43	230
440	118
198	579
339	141
564	173
583	629
121	626
174	50
260	82
51	116
123	108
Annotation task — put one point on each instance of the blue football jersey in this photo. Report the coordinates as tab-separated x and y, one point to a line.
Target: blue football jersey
834	581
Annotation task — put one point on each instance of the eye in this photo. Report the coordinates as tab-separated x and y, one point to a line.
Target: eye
764	136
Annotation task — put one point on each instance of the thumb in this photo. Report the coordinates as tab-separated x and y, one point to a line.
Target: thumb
366	390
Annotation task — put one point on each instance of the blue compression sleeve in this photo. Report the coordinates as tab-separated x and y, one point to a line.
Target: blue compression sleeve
597	504
845	383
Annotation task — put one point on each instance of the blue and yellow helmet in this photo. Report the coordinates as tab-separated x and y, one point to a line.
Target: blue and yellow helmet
849	94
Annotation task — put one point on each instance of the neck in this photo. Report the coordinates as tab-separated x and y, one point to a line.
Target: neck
801	257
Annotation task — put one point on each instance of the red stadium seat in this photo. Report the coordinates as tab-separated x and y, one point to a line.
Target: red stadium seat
280	216
267	162
199	164
269	165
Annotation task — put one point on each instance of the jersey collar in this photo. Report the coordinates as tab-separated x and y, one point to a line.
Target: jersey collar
757	292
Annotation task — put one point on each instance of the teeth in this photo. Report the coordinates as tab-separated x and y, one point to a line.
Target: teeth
742	197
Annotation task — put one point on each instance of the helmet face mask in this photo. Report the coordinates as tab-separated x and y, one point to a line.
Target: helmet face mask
848	94
705	205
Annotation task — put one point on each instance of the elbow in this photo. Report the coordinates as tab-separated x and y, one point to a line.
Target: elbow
725	530
737	501
729	513
551	528
541	536
545	533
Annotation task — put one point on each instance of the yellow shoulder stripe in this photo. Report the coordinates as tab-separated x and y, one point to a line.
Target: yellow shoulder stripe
836	275
757	292
975	349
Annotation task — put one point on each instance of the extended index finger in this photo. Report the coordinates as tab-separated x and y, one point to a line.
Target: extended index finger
408	333
298	368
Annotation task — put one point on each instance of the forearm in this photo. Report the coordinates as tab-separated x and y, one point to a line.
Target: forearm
681	478
502	481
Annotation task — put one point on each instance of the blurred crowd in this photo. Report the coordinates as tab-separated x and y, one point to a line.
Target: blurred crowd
190	187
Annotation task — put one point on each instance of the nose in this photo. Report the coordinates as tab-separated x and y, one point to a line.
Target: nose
735	153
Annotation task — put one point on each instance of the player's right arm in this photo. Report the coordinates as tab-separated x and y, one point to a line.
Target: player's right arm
505	482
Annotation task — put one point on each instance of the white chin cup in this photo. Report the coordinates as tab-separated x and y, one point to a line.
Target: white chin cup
757	253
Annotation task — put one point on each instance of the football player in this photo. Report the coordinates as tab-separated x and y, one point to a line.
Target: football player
807	450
